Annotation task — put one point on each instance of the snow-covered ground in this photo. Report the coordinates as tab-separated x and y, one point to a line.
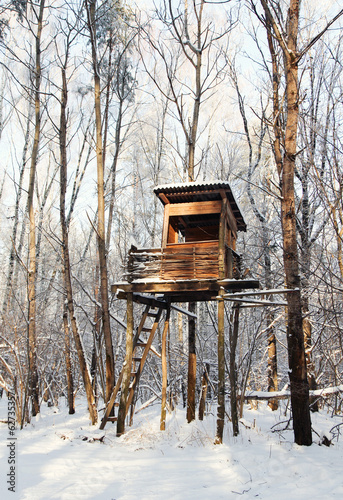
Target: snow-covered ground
60	456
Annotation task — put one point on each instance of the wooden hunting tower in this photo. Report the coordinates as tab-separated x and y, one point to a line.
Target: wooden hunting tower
197	261
198	249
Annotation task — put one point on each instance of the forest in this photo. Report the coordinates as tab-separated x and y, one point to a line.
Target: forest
102	101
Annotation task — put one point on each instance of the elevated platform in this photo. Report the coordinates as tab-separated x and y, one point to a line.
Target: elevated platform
193	290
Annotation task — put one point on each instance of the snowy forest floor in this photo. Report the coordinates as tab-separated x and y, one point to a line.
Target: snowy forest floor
60	456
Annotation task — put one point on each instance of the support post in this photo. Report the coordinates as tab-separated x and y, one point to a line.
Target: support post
127	367
192	365
233	377
221	372
221	329
164	371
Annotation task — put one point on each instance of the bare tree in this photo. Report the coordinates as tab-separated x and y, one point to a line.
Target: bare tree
282	36
32	345
65	254
101	236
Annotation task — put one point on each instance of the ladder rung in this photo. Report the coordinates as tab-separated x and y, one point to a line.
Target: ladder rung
136	359
152	314
141	344
112	419
146	329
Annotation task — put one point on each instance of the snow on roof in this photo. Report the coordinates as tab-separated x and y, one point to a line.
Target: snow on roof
182	186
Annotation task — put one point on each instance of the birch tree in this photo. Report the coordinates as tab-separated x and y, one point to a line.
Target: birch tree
38	13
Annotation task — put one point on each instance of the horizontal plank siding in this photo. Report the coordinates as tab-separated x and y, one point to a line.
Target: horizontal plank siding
201	207
181	261
190	262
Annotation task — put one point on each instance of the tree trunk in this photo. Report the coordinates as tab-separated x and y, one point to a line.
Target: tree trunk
233	376
106	326
221	329
164	372
192	365
32	341
69	373
127	367
65	255
204	385
295	334
286	167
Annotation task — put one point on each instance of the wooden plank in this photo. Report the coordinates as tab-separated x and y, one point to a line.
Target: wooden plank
255	301
221	242
164	199
231	219
184	311
201	207
165	224
179	287
199	245
262	292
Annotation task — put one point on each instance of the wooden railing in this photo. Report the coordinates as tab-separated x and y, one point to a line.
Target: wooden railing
181	261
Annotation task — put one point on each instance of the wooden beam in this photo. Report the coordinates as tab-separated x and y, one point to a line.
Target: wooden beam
201	207
165	225
260	292
255	301
187	286
192	365
221	372
184	311
164	372
231	219
163	198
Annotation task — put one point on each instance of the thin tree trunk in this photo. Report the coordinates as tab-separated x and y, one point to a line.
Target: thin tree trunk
164	372
221	328
32	341
204	386
192	365
127	367
66	259
11	283
69	372
233	375
106	326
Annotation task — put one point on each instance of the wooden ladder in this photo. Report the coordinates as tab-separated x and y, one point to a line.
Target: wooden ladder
141	348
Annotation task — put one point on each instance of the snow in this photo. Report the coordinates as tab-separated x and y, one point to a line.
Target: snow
61	456
197	184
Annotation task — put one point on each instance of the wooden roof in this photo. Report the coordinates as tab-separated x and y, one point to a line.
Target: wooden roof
189	192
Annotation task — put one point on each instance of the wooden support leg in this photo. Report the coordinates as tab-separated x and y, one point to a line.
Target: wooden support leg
127	367
221	374
164	372
192	365
233	377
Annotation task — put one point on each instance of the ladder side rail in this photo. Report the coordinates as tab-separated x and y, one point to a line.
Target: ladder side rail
143	359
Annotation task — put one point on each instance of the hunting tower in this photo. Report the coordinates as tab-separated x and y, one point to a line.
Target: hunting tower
197	261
